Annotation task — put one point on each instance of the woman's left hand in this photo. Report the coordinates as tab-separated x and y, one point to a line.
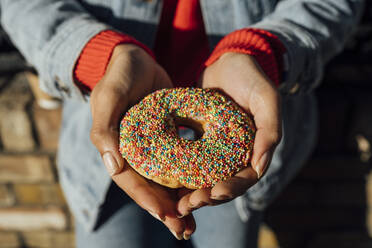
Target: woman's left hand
240	77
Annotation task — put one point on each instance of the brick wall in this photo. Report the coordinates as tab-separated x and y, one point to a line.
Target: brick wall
33	211
329	204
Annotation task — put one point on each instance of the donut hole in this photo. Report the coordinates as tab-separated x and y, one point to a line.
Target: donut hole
188	129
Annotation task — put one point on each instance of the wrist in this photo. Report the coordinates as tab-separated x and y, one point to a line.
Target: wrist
98	53
249	60
231	55
261	45
127	48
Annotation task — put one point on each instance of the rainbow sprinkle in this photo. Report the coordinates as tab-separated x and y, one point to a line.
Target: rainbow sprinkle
150	143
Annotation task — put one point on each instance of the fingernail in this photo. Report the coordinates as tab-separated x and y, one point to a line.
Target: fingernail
186	236
221	197
180	216
262	165
156	216
177	236
110	163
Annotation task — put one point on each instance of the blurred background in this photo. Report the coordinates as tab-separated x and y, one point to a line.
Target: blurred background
329	204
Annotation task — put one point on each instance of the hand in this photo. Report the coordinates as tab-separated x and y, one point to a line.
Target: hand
131	75
240	77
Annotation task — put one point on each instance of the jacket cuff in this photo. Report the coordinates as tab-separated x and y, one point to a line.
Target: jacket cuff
94	58
263	45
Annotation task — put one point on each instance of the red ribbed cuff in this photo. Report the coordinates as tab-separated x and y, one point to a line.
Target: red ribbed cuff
263	45
93	60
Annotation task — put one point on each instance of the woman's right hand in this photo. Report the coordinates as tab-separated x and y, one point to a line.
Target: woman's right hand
131	75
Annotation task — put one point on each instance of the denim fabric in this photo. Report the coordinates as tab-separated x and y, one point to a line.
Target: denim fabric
221	226
125	224
82	174
122	223
52	33
300	119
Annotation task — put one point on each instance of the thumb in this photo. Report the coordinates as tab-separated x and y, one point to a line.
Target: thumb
107	144
266	112
107	106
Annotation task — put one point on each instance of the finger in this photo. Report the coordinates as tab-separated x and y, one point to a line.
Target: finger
200	197
241	77
193	201
190	226
263	151
257	95
187	217
183	203
162	79
170	197
183	191
153	198
176	226
138	188
183	207
234	186
105	126
263	103
265	108
109	149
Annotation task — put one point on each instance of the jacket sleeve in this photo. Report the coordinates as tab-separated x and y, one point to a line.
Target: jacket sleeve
312	31
50	34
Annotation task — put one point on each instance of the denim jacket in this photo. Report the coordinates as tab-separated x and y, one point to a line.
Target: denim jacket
52	33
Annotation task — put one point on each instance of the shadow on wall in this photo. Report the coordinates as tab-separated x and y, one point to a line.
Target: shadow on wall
329	203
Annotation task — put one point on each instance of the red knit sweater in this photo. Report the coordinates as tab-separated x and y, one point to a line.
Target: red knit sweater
181	47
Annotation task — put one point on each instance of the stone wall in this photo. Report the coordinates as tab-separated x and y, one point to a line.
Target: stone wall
329	204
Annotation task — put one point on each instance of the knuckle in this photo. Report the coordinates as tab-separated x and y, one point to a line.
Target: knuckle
96	135
135	52
178	228
227	192
129	53
275	138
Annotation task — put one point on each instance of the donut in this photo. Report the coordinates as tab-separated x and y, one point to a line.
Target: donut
150	143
